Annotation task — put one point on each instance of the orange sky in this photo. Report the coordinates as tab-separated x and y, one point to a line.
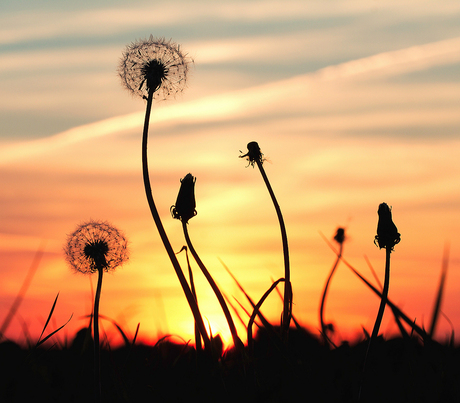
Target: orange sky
339	140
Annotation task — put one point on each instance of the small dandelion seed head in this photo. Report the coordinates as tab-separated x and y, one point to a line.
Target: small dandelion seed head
95	245
154	64
254	154
387	233
184	209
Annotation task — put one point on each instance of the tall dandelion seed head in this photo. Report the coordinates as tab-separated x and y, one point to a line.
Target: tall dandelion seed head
96	245
154	64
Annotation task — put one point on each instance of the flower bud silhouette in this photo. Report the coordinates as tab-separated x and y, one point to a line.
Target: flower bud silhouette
340	235
184	209
387	233
154	64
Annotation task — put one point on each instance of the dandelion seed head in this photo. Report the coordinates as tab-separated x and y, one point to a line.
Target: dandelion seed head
155	64
96	245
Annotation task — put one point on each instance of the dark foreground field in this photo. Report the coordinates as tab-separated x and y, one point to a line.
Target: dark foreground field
399	370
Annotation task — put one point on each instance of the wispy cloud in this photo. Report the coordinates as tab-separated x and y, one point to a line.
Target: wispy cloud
37	24
282	96
399	61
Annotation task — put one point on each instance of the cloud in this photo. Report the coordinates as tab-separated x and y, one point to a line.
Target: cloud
398	61
17	151
39	24
278	98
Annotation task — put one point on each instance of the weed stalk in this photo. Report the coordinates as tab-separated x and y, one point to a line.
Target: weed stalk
156	218
255	156
339	237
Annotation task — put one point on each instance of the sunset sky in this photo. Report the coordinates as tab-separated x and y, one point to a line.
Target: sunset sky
353	103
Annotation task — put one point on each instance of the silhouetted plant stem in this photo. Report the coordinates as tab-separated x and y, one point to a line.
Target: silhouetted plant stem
384	298
287	310
394	308
378	320
387	237
256	310
156	217
97	355
236	340
323	299
192	288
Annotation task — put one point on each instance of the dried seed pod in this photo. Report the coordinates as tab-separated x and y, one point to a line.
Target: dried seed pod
254	154
184	209
387	233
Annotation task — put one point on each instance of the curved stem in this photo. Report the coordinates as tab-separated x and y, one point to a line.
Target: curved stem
323	300
236	340
97	357
156	217
256	310
287	311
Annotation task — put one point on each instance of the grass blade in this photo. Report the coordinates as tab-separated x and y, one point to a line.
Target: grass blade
22	291
262	318
437	305
53	333
49	318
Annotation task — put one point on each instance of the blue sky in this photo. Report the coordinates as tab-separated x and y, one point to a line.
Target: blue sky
353	103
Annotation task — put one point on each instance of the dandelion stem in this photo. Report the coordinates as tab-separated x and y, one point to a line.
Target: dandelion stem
236	340
378	320
287	311
383	301
323	299
192	288
97	356
156	217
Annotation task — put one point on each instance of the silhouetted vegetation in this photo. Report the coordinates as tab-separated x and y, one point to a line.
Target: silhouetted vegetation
281	362
403	370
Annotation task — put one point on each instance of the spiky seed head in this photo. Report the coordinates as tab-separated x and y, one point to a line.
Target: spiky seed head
96	245
154	64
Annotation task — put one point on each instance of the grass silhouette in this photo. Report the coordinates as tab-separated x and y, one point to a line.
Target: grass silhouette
413	368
